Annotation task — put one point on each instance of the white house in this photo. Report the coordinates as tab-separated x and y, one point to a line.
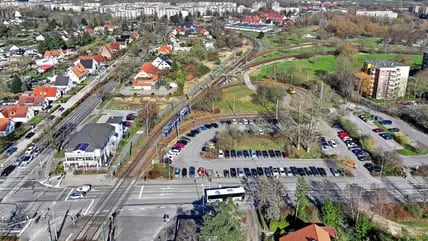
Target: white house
47	61
91	147
77	73
17	113
90	64
162	62
40	38
116	122
63	83
51	93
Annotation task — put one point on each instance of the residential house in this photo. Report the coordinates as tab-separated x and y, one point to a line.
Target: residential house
99	58
38	103
310	233
44	68
162	62
123	42
78	73
63	83
115	46
90	64
51	93
46	61
203	32
165	49
181	31
388	80
110	27
7	126
40	38
17	113
58	54
135	35
117	123
147	77
106	52
91	147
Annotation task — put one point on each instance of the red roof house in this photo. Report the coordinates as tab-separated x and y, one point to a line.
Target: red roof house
311	232
51	93
165	49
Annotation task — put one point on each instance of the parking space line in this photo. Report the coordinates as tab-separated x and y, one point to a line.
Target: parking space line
141	192
90	205
66	197
69	237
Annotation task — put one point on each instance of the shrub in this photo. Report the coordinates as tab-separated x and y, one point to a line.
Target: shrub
415	210
367	143
402	139
278	225
349	127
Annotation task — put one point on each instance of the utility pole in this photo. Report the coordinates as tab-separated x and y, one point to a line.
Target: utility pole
276	109
234	104
147	119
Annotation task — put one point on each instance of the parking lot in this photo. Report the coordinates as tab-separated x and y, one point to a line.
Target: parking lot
239	163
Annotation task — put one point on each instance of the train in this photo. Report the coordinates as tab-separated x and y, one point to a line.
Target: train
167	130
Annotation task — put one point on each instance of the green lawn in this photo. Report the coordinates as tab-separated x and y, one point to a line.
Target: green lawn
261	143
240	98
325	63
293	52
36	119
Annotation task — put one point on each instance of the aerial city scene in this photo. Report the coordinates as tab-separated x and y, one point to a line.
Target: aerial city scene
235	120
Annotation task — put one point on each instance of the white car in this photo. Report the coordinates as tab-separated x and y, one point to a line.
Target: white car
234	121
275	172
29	150
332	143
220	154
325	148
85	188
240	172
282	172
76	195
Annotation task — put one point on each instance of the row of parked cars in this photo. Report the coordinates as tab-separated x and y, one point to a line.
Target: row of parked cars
259	171
251	153
361	154
21	161
200	128
380	131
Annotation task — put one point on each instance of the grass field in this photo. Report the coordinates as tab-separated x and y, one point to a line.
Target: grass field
326	63
240	98
293	52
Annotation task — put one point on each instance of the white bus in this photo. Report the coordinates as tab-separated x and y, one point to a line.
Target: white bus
213	195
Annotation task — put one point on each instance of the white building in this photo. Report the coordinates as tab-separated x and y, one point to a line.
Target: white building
91	147
378	14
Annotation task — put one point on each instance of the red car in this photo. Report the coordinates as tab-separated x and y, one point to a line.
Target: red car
378	130
285	154
179	145
343	134
201	171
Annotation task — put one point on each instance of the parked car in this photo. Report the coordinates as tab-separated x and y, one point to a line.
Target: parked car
288	171
301	171
265	154
254	172
325	148
76	195
29	150
332	143
177	172
246	154
215	125
267	172
334	172
220	154
386	136
201	171
84	188
282	172
240	172
259	171
284	154
275	172
259	153
272	153
386	122
232	172
192	171
378	130
225	173
183	172
294	171
247	172
233	153
8	170
395	129
239	154
10	150
322	171
278	153
226	154
29	135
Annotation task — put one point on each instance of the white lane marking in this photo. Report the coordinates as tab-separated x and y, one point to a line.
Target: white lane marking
68	194
69	237
141	192
90	205
166	194
59	195
25	227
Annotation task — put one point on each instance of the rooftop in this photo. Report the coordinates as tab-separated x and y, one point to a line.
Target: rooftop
115	119
91	136
379	63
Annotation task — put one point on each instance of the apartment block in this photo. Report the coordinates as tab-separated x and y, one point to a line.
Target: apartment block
388	80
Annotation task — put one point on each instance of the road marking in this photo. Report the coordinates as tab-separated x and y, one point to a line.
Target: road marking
25	227
141	192
68	194
69	237
166	194
57	197
90	205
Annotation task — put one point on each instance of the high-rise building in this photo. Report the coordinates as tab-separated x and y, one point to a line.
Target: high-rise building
388	80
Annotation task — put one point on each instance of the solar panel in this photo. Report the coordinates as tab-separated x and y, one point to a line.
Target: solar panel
82	147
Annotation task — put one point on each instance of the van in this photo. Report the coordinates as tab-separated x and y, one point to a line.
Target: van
177	172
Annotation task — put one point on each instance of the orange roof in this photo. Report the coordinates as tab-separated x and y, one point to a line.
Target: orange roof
311	232
149	68
109	50
79	70
12	111
164	49
99	58
110	26
46	91
3	123
115	45
139	82
31	100
53	53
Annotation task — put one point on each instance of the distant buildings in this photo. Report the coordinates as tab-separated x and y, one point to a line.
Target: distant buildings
388	79
378	14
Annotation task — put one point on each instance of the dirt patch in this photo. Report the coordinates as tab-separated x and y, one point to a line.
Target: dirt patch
395	212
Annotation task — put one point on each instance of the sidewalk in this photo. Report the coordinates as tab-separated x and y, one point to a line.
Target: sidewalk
95	179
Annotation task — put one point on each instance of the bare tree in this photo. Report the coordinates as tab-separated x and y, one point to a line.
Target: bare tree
187	231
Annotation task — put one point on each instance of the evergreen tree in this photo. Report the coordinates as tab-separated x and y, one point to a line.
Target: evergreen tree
301	201
362	228
224	225
15	84
332	214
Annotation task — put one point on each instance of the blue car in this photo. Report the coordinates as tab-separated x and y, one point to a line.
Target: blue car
202	128
386	122
192	171
10	150
239	154
386	136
